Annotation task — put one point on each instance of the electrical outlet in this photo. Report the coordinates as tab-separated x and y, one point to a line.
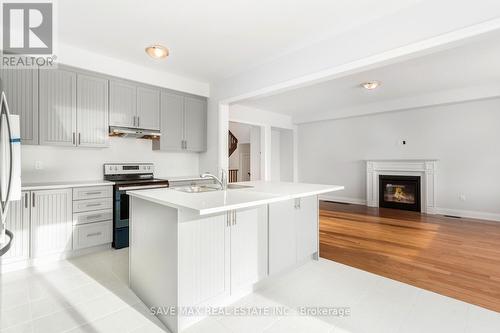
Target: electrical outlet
402	142
462	197
38	165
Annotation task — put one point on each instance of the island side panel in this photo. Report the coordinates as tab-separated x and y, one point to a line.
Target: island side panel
153	256
203	262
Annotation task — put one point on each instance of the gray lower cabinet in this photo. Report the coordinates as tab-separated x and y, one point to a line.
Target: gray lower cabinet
57	88
51	222
92	111
18	221
21	89
183	123
122	103
133	105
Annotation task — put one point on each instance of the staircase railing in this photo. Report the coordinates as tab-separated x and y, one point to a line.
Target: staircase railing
233	175
233	143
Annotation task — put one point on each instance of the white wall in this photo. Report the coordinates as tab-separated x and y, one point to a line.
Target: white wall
282	161
465	138
249	115
389	38
286	155
77	57
255	153
68	163
275	155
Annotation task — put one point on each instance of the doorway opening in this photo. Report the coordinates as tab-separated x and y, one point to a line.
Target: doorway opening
282	162
244	145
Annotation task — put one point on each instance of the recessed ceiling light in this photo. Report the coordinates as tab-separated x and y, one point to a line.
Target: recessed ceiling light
157	51
370	85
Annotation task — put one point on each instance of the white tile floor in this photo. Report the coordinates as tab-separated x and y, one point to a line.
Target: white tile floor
90	294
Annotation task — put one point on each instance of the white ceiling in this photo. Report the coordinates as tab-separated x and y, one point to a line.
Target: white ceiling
476	63
211	40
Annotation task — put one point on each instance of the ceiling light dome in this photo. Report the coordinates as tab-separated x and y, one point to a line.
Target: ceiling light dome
370	85
157	51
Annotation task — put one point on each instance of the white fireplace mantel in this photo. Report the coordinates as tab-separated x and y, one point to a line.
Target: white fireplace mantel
425	168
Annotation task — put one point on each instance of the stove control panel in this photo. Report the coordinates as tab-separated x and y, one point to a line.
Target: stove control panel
128	168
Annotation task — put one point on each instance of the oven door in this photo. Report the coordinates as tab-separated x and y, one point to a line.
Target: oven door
122	202
121	209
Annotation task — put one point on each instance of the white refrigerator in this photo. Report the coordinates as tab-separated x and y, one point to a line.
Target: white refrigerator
10	168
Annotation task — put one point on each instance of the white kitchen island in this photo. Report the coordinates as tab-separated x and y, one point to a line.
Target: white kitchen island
193	252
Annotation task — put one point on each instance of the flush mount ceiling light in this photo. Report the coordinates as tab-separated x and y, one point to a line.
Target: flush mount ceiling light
157	51
370	85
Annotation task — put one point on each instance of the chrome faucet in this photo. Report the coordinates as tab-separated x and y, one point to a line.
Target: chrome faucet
222	181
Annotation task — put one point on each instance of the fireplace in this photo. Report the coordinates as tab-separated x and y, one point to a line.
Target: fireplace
399	192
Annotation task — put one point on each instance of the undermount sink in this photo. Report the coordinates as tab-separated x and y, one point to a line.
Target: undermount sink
198	188
209	188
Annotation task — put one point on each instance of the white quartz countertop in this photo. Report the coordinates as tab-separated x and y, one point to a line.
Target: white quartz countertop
64	184
221	201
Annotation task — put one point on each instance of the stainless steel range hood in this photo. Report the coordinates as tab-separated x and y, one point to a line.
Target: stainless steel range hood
134	132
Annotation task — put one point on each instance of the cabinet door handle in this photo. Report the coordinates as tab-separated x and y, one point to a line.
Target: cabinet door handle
93	193
133	120
138	121
93	217
93	205
94	234
26	200
33	199
297	203
79	138
73	138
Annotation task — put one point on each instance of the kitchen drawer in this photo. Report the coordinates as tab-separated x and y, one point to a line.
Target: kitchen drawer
91	205
92	216
92	234
92	192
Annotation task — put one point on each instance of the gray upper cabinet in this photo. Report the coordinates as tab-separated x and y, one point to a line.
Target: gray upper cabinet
172	122
122	103
195	124
21	88
148	108
183	123
92	111
57	105
65	106
133	105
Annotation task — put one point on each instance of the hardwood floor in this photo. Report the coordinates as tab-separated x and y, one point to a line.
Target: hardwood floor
459	258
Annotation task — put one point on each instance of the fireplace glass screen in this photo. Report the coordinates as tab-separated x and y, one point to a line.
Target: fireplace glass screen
400	192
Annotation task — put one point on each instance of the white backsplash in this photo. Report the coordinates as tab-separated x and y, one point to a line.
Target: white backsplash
47	163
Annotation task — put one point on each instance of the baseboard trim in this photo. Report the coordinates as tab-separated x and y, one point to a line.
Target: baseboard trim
471	214
326	197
